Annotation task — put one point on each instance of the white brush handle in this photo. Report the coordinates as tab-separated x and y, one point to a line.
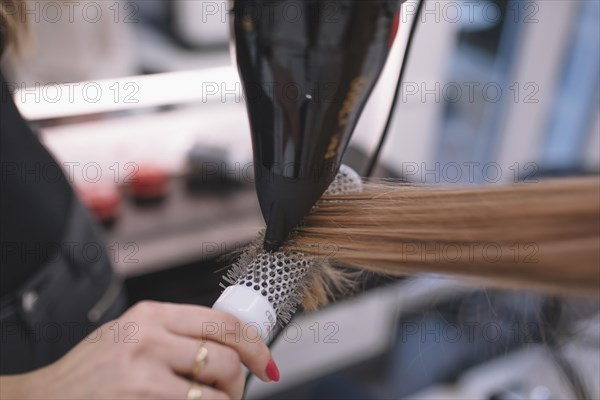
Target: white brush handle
250	307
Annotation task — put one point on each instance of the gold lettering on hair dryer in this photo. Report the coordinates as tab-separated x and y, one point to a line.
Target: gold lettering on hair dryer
356	88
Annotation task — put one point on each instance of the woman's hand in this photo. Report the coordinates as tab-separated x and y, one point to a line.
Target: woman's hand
156	361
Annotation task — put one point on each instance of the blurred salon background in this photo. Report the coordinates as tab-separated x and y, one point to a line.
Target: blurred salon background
140	103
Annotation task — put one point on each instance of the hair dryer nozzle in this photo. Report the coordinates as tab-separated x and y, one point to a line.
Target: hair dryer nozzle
306	76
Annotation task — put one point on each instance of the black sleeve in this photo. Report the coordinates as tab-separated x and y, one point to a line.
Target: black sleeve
44	282
35	198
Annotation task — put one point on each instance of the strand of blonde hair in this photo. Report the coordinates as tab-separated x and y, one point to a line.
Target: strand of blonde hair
544	235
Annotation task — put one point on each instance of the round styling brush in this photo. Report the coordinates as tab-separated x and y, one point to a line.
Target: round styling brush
266	287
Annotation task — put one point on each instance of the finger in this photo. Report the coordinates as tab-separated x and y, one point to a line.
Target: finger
154	382
205	323
209	393
176	387
222	366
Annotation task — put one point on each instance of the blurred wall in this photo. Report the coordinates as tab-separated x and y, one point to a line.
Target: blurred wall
75	41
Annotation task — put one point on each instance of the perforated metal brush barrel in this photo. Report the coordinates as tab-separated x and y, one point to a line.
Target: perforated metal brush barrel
346	181
265	291
267	288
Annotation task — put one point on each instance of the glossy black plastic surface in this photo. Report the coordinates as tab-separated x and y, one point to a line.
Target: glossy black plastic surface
307	68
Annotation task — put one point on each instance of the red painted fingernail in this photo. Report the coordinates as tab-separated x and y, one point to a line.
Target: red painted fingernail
272	371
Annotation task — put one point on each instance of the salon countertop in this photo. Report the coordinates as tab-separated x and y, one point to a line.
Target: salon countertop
187	226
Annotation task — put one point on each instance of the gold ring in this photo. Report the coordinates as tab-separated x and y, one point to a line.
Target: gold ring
200	360
195	392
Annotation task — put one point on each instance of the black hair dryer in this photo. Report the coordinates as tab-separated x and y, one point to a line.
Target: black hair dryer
307	69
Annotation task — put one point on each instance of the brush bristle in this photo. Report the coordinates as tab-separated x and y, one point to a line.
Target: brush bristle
279	277
289	278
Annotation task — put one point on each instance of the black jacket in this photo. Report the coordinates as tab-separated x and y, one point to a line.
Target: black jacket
52	292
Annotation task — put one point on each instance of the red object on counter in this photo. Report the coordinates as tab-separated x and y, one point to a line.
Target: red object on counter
103	200
394	30
149	182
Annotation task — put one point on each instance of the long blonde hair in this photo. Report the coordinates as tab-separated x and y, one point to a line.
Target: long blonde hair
12	23
544	235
